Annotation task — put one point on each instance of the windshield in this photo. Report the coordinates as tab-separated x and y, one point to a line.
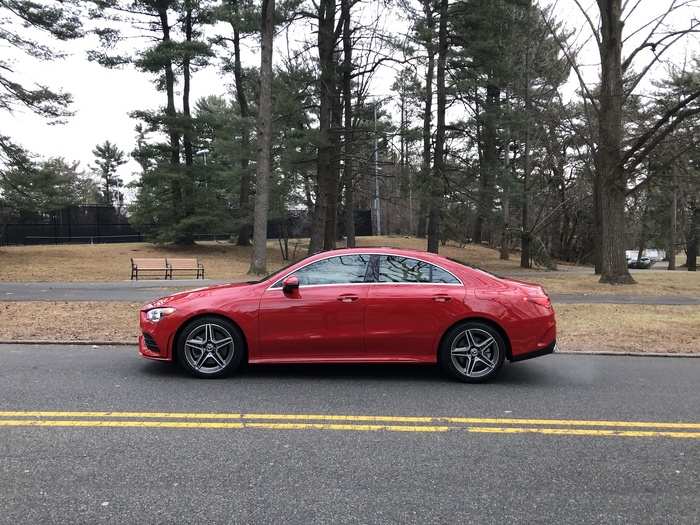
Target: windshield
271	275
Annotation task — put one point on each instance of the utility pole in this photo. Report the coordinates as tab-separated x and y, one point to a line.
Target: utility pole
674	225
377	205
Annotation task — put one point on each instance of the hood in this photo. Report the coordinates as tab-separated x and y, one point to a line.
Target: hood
196	293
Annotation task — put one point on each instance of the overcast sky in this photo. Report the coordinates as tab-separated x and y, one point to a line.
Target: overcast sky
103	98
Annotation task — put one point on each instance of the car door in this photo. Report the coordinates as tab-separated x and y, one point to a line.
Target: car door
324	319
409	307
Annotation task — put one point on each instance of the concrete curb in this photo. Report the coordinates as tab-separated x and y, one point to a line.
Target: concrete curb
134	343
626	353
66	343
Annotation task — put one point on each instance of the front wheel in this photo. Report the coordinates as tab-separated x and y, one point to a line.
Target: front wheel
210	347
472	352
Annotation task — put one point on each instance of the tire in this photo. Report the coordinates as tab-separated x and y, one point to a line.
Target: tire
472	352
210	347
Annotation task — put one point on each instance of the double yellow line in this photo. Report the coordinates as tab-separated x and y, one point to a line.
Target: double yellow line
216	420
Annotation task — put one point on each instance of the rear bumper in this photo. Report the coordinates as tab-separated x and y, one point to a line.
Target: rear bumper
549	349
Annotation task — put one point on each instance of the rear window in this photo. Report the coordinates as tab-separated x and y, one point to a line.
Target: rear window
399	269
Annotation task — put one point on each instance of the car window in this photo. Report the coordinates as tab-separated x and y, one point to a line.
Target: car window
334	270
398	269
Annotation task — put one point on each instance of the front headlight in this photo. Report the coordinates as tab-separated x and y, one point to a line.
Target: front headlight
156	314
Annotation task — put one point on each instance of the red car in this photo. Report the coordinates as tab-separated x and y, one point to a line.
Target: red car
364	305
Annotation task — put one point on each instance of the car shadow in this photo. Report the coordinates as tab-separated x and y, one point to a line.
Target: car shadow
511	374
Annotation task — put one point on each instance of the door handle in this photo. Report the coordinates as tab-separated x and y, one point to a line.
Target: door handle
441	298
347	298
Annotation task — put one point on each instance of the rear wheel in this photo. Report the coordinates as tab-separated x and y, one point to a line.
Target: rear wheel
472	352
210	347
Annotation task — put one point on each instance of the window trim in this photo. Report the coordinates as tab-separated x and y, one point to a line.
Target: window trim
376	283
458	283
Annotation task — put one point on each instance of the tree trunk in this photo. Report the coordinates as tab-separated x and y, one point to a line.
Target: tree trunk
171	115
488	164
612	177
597	224
242	99
427	119
348	146
437	180
185	237
505	234
326	180
694	236
526	234
674	223
525	255
170	110
186	77
263	173
334	189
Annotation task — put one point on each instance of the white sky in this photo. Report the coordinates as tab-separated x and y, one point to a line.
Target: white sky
103	98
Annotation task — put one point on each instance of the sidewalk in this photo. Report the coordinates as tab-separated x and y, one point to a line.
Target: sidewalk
135	291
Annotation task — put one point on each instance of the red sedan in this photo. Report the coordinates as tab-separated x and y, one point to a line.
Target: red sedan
365	305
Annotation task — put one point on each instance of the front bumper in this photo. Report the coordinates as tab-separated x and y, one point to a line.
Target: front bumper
155	341
148	353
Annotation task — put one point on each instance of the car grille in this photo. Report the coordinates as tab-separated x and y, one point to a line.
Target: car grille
150	343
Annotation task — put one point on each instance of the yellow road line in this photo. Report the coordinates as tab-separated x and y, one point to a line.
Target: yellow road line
583	432
354	418
107	423
213	425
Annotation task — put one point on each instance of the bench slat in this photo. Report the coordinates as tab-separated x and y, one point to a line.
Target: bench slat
184	264
150	264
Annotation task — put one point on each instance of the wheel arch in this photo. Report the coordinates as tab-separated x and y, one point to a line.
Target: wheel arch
200	315
479	319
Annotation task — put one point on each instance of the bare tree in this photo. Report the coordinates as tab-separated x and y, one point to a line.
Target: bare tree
617	157
437	186
323	226
258	264
348	131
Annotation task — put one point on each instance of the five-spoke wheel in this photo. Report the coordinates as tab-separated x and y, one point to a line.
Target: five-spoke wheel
210	347
472	351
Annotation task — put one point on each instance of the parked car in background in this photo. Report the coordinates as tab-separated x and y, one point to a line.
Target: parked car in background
642	263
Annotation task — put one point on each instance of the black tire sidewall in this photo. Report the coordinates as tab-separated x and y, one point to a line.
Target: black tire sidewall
238	341
445	358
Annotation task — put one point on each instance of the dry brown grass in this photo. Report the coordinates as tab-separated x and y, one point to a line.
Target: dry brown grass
222	260
225	261
69	321
648	283
641	328
110	262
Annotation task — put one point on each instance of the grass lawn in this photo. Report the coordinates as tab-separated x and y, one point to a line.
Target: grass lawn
640	328
648	283
222	260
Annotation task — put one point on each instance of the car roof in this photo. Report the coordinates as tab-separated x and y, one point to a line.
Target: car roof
379	250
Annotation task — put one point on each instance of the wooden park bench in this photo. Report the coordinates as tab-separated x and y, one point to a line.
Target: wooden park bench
186	266
149	266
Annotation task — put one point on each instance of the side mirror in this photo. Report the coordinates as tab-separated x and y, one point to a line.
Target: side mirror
290	284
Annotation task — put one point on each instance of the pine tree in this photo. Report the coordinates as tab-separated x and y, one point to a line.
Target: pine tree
22	20
108	158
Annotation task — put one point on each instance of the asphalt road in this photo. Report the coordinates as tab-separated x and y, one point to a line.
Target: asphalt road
112	438
144	291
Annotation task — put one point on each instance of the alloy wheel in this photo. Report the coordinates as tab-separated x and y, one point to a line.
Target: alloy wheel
209	348
475	353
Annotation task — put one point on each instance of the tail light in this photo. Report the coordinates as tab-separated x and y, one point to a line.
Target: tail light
540	300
